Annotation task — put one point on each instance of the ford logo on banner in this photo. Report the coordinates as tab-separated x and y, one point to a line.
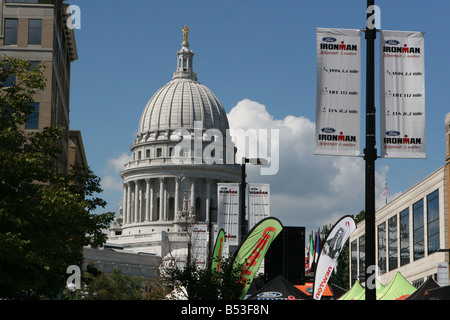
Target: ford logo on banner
329	39
392	42
392	133
328	130
269	294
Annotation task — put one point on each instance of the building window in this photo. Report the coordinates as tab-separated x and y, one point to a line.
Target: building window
158	152
33	118
34	31
11	31
139	155
433	221
198	209
158	205
147	153
392	238
418	232
171	209
404	237
362	258
354	261
382	247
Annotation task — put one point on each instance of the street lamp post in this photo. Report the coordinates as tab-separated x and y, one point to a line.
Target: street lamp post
252	161
370	152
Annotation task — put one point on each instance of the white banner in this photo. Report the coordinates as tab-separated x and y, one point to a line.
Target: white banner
258	203
402	90
338	101
228	211
330	252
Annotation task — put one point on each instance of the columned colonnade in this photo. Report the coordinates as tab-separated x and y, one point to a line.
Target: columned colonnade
161	198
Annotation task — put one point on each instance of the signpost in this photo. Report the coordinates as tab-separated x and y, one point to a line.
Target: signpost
370	152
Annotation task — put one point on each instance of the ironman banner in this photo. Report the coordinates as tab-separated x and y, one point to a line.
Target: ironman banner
338	98
330	253
402	90
253	249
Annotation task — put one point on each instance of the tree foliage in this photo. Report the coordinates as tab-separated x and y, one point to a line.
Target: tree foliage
46	216
116	286
206	284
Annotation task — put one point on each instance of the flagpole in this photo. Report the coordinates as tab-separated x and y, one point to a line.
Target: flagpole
370	152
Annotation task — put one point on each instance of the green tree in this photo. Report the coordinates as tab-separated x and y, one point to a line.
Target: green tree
46	217
114	286
205	284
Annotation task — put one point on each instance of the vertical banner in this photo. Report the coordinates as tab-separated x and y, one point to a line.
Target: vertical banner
402	90
258	203
228	211
330	252
338	101
253	249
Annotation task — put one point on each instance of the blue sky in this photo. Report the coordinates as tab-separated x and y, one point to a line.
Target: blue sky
259	58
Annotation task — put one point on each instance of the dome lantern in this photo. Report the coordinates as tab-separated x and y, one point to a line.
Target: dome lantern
185	58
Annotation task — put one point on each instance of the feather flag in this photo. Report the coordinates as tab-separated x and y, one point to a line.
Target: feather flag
317	248
311	252
385	191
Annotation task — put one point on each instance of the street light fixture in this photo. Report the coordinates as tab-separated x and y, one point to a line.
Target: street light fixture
252	161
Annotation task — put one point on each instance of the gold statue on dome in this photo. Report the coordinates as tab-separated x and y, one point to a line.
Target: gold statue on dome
185	33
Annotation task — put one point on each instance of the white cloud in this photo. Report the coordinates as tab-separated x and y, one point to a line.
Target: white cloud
116	164
111	183
308	190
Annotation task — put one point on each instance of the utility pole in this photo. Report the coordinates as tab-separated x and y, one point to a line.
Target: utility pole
370	152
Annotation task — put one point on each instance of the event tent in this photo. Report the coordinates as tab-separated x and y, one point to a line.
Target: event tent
308	288
398	288
279	289
419	294
441	293
355	292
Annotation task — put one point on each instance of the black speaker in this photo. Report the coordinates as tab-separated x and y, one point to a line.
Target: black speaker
286	256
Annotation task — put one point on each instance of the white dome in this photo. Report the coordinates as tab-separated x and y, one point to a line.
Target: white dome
182	102
179	104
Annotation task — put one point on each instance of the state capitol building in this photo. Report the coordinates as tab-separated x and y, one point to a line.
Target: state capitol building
167	188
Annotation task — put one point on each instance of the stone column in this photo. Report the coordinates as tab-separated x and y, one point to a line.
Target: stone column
208	201
124	204
128	203
152	214
136	201
161	199
140	205
147	200
177	191
192	195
